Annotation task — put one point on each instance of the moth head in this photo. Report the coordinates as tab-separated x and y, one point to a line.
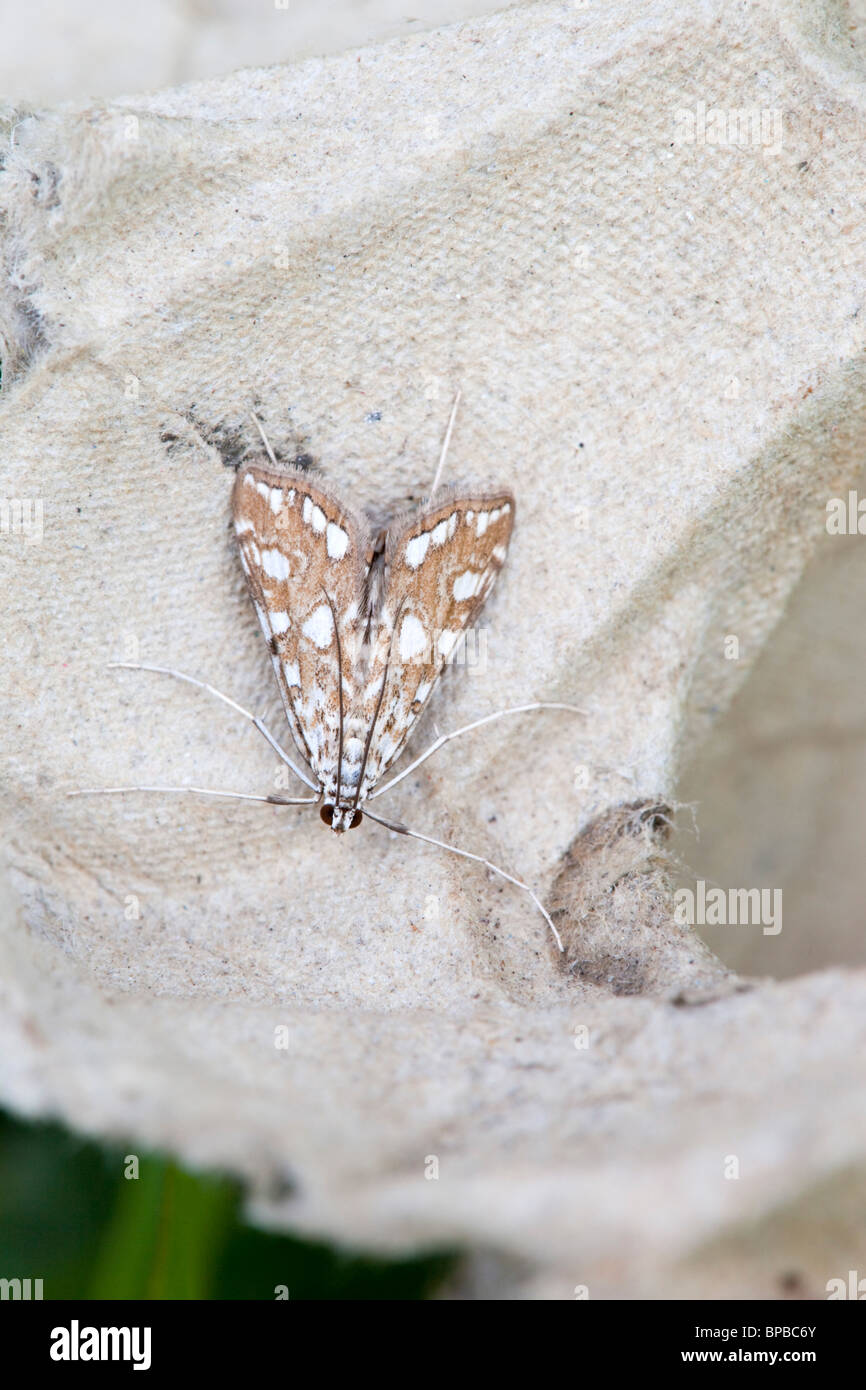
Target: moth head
341	818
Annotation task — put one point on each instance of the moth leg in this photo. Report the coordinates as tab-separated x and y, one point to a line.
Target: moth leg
227	700
198	791
467	728
479	859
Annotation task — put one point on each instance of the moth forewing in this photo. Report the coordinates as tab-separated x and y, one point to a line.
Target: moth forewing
441	564
304	555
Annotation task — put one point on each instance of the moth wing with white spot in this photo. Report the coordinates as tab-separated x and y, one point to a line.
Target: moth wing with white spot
304	555
441	566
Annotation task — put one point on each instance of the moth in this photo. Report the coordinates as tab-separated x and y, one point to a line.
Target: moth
359	623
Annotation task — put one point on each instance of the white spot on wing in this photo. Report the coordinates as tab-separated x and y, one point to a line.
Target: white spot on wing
314	516
439	533
291	672
315	740
274	564
279	621
413	638
319	627
481	523
338	541
447	640
386	747
416	549
466	584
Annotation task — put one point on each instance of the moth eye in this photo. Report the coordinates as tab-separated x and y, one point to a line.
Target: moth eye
327	814
356	819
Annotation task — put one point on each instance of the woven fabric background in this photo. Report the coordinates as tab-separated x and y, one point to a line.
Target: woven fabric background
654	315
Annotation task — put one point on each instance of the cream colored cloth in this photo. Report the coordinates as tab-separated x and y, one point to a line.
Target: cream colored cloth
634	241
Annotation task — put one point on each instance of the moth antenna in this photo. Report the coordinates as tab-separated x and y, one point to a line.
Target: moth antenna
198	791
442	739
479	859
446	442
226	699
258	424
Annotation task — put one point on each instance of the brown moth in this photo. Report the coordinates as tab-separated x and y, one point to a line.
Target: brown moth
360	626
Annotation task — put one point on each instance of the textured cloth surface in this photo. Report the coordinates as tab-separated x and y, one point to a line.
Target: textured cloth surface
652	304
